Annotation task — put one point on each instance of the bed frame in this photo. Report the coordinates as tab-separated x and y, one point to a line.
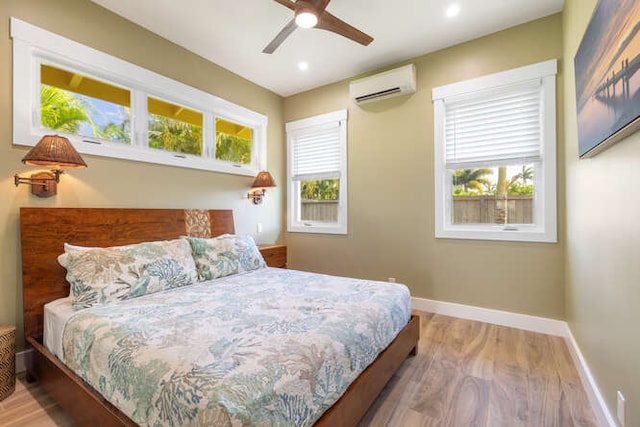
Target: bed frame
43	233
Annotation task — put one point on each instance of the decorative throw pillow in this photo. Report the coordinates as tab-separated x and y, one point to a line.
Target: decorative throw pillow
225	255
103	275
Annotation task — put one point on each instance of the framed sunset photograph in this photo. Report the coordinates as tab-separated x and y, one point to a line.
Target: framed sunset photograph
607	77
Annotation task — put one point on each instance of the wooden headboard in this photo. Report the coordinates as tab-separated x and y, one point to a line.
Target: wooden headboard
45	230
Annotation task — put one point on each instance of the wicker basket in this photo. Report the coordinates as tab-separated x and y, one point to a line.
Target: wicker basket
7	361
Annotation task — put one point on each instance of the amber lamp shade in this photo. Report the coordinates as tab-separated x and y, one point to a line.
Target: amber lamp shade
55	152
263	181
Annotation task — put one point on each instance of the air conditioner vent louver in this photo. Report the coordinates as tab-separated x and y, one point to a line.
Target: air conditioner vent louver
378	94
396	82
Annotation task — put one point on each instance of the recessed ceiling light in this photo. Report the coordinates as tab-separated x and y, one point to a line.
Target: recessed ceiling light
303	65
453	10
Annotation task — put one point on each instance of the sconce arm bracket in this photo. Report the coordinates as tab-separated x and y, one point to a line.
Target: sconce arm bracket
256	196
43	184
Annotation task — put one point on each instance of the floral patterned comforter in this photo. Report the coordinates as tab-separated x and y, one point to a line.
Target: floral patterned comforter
270	347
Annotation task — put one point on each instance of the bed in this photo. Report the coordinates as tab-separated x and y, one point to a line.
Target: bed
43	232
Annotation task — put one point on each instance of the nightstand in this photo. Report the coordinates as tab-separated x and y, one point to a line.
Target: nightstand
274	255
7	361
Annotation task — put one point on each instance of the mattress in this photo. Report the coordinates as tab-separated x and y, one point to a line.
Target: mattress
56	314
269	347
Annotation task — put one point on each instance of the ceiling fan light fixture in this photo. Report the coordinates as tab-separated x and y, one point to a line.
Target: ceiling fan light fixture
313	13
453	10
306	19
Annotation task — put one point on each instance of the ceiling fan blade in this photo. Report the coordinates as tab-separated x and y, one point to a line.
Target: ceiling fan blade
282	35
287	3
320	5
330	23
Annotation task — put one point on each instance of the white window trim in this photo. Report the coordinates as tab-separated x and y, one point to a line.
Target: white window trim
545	228
293	224
32	45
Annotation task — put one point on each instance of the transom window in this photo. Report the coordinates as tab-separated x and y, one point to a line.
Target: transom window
109	107
75	104
233	142
174	127
495	156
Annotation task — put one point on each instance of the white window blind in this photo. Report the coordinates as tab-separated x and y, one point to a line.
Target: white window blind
317	152
500	126
502	119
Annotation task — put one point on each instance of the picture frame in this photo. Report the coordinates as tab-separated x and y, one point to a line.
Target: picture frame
607	77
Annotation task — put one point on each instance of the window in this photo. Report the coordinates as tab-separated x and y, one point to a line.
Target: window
233	141
75	104
174	127
317	173
495	144
109	107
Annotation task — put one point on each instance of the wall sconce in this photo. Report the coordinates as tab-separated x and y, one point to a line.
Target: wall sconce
51	151
263	181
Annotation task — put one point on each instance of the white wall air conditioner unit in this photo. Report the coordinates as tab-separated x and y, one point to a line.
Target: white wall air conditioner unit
396	82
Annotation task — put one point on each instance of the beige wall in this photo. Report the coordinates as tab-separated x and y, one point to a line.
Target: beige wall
391	200
119	183
391	220
602	255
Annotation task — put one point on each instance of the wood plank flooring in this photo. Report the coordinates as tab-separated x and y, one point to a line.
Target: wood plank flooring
31	406
466	373
470	373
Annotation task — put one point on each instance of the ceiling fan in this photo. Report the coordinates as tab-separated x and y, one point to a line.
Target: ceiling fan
313	14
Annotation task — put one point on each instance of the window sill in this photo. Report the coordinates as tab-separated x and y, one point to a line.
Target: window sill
116	150
318	229
495	233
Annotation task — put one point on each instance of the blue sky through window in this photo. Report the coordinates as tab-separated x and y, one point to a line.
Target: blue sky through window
102	114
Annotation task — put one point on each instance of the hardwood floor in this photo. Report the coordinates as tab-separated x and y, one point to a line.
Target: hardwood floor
30	406
466	373
470	373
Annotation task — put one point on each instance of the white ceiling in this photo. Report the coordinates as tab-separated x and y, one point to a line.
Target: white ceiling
232	33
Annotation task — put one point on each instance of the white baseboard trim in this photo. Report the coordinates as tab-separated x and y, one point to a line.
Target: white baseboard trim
529	323
21	361
496	317
600	408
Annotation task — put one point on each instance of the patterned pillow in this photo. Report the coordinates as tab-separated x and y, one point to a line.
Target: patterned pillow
225	255
103	275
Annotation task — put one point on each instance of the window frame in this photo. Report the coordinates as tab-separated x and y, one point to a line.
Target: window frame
294	224
33	46
544	228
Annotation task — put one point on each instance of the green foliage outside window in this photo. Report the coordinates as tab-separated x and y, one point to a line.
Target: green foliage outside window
474	182
70	113
60	110
74	114
114	132
468	180
233	148
321	189
174	135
